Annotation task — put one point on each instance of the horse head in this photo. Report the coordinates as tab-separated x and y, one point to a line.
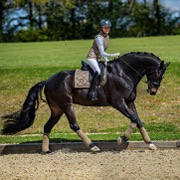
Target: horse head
155	76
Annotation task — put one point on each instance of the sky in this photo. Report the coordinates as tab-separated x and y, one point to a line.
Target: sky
173	5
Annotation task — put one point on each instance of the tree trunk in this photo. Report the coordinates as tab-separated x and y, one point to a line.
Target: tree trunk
157	16
131	4
145	3
1	15
31	18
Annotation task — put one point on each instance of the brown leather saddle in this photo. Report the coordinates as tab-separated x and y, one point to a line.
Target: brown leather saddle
84	76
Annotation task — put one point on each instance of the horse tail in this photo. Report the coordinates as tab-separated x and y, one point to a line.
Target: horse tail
24	118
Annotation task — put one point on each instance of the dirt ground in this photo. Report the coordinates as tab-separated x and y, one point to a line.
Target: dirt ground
65	165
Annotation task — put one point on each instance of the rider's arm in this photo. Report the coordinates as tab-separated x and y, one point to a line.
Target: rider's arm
99	42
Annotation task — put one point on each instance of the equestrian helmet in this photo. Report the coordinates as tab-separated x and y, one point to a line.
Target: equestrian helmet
105	23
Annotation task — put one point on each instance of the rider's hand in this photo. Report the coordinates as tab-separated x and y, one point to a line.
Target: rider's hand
115	54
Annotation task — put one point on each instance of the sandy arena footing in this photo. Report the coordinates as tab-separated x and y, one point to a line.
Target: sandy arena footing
107	165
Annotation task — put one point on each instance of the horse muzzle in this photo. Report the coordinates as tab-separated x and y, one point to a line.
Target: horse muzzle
152	91
152	88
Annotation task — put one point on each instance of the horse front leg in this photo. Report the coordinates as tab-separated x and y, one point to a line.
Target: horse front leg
129	110
143	132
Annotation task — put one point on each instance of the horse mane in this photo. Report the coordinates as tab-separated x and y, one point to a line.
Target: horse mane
139	54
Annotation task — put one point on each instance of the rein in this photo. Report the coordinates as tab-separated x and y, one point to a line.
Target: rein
132	69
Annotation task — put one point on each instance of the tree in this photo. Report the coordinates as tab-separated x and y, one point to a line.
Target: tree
2	9
46	20
152	20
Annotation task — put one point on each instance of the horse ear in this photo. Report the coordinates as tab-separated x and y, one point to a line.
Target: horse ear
161	65
166	65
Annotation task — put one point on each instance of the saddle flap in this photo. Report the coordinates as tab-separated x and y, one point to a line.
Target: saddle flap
83	76
81	79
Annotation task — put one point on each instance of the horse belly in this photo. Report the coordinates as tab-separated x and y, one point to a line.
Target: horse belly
80	96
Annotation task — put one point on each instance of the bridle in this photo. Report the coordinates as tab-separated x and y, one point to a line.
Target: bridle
156	75
150	82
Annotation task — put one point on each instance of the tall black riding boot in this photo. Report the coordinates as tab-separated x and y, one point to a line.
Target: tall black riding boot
92	92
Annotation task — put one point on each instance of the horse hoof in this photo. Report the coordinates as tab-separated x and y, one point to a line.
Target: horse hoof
121	140
95	149
47	152
152	147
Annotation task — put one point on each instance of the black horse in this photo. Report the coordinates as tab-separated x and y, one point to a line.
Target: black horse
123	76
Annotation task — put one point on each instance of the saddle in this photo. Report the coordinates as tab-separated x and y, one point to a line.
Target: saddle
84	76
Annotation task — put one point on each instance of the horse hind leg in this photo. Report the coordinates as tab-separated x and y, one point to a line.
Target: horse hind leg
55	116
75	127
87	141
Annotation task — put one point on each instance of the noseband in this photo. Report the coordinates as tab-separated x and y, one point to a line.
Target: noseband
152	82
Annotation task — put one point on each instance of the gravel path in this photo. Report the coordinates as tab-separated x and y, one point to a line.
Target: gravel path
64	165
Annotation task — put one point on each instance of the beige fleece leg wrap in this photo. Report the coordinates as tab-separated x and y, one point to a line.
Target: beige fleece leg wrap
144	135
84	137
45	142
129	130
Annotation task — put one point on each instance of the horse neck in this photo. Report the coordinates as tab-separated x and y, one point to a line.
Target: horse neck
134	66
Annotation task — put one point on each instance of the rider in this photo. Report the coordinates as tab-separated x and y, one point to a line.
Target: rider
97	52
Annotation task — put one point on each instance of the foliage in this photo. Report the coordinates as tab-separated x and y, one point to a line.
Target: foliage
151	22
47	20
32	36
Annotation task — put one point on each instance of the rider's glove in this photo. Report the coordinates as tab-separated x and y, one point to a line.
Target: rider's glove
115	54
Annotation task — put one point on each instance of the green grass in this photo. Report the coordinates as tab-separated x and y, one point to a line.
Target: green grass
72	137
24	64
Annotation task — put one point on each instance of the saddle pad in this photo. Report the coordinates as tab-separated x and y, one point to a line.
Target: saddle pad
81	79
